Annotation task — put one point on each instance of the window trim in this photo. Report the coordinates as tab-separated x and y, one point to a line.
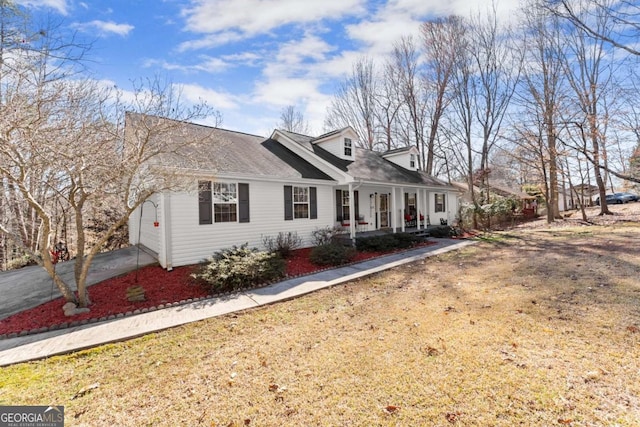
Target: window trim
289	202
412	161
440	207
348	147
345	207
221	194
306	203
207	203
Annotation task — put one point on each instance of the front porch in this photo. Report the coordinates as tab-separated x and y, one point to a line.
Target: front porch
373	209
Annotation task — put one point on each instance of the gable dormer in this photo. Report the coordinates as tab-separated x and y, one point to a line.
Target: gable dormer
341	143
406	157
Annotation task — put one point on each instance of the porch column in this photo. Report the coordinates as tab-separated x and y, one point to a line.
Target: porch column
352	213
392	214
418	199
426	207
402	209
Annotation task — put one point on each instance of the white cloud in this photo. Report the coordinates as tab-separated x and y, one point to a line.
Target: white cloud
217	100
210	41
252	17
298	71
285	91
104	27
207	64
59	5
298	57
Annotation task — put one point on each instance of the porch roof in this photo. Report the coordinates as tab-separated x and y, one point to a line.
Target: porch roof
371	166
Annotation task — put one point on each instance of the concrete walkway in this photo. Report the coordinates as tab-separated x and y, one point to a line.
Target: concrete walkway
32	347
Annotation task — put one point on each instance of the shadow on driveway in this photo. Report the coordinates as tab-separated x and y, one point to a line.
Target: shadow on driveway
31	286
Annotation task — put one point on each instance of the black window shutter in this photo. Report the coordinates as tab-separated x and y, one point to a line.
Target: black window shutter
243	202
204	202
339	205
313	203
406	203
288	202
356	204
444	202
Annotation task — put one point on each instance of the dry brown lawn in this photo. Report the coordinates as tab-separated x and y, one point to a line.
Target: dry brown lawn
536	327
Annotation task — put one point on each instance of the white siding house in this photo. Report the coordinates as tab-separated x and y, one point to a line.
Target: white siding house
250	187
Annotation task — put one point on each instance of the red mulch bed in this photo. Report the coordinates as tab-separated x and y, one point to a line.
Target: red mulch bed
108	298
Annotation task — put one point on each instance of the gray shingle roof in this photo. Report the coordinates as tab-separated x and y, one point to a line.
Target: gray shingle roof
222	151
371	166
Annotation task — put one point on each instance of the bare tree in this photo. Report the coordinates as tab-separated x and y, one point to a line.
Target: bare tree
497	68
460	121
623	17
438	36
28	57
407	80
389	102
590	75
292	120
354	103
540	96
63	149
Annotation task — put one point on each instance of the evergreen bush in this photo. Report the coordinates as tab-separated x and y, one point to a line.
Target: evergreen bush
386	242
332	254
239	267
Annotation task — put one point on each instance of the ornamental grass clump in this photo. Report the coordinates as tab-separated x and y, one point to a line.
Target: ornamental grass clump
240	267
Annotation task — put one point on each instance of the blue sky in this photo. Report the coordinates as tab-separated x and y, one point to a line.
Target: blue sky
246	58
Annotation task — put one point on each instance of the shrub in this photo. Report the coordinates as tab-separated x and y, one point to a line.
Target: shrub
326	235
22	261
382	243
283	243
442	231
386	242
332	254
405	240
239	267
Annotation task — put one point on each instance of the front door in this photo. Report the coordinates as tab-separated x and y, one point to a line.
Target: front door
384	210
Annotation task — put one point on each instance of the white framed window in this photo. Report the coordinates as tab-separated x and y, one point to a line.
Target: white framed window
412	161
439	202
348	147
225	202
345	205
411	204
301	202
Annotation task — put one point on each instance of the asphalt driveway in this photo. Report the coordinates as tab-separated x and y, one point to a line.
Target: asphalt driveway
31	286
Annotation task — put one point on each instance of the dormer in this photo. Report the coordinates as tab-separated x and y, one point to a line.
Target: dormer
406	157
341	143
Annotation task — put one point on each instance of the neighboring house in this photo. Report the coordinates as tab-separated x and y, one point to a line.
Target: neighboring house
258	187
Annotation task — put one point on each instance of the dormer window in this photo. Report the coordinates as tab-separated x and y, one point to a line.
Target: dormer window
348	147
412	161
